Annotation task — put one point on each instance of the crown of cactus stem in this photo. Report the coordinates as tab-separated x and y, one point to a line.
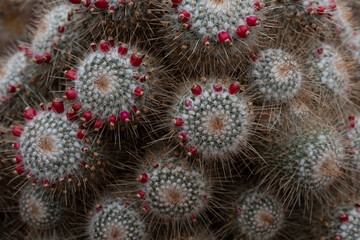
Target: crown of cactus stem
115	218
15	73
52	148
54	37
259	216
277	75
112	84
212	28
332	74
308	164
38	208
213	118
171	191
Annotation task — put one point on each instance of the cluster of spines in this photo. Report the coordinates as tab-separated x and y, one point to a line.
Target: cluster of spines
276	75
38	208
111	83
204	19
259	216
115	218
171	190
213	118
51	147
54	35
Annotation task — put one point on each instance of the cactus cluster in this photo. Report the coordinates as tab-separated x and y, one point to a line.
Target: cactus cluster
179	119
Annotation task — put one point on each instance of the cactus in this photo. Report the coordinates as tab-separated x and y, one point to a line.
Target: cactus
213	118
171	190
181	119
51	147
38	209
277	75
112	84
115	218
259	216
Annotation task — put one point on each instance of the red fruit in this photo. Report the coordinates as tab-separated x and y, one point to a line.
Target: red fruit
18	159
112	120
71	74
184	16
351	118
30	114
255	57
17	130
125	116
87	116
224	37
192	150
101	4
20	169
81	134
76	106
144	178
93	47
178	122
75	1
139	92
257	6
46	57
71	115
16	146
71	94
196	90
147	208
98	124
61	29
217	88
183	136
321	10
11	88
252	21
86	3
38	59
243	31
344	217
99	208
58	106
135	60
105	46
141	194
122	50
135	109
338	237
234	88
332	5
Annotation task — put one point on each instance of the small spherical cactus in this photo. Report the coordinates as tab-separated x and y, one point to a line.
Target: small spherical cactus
277	75
38	208
54	35
330	72
171	190
213	28
343	220
113	219
15	72
213	118
112	84
259	216
306	162
52	147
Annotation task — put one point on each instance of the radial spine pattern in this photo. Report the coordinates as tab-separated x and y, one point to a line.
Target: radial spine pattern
213	119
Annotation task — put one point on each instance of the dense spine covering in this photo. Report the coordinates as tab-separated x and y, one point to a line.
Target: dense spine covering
213	118
38	208
259	216
52	148
111	84
115	218
171	190
277	75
